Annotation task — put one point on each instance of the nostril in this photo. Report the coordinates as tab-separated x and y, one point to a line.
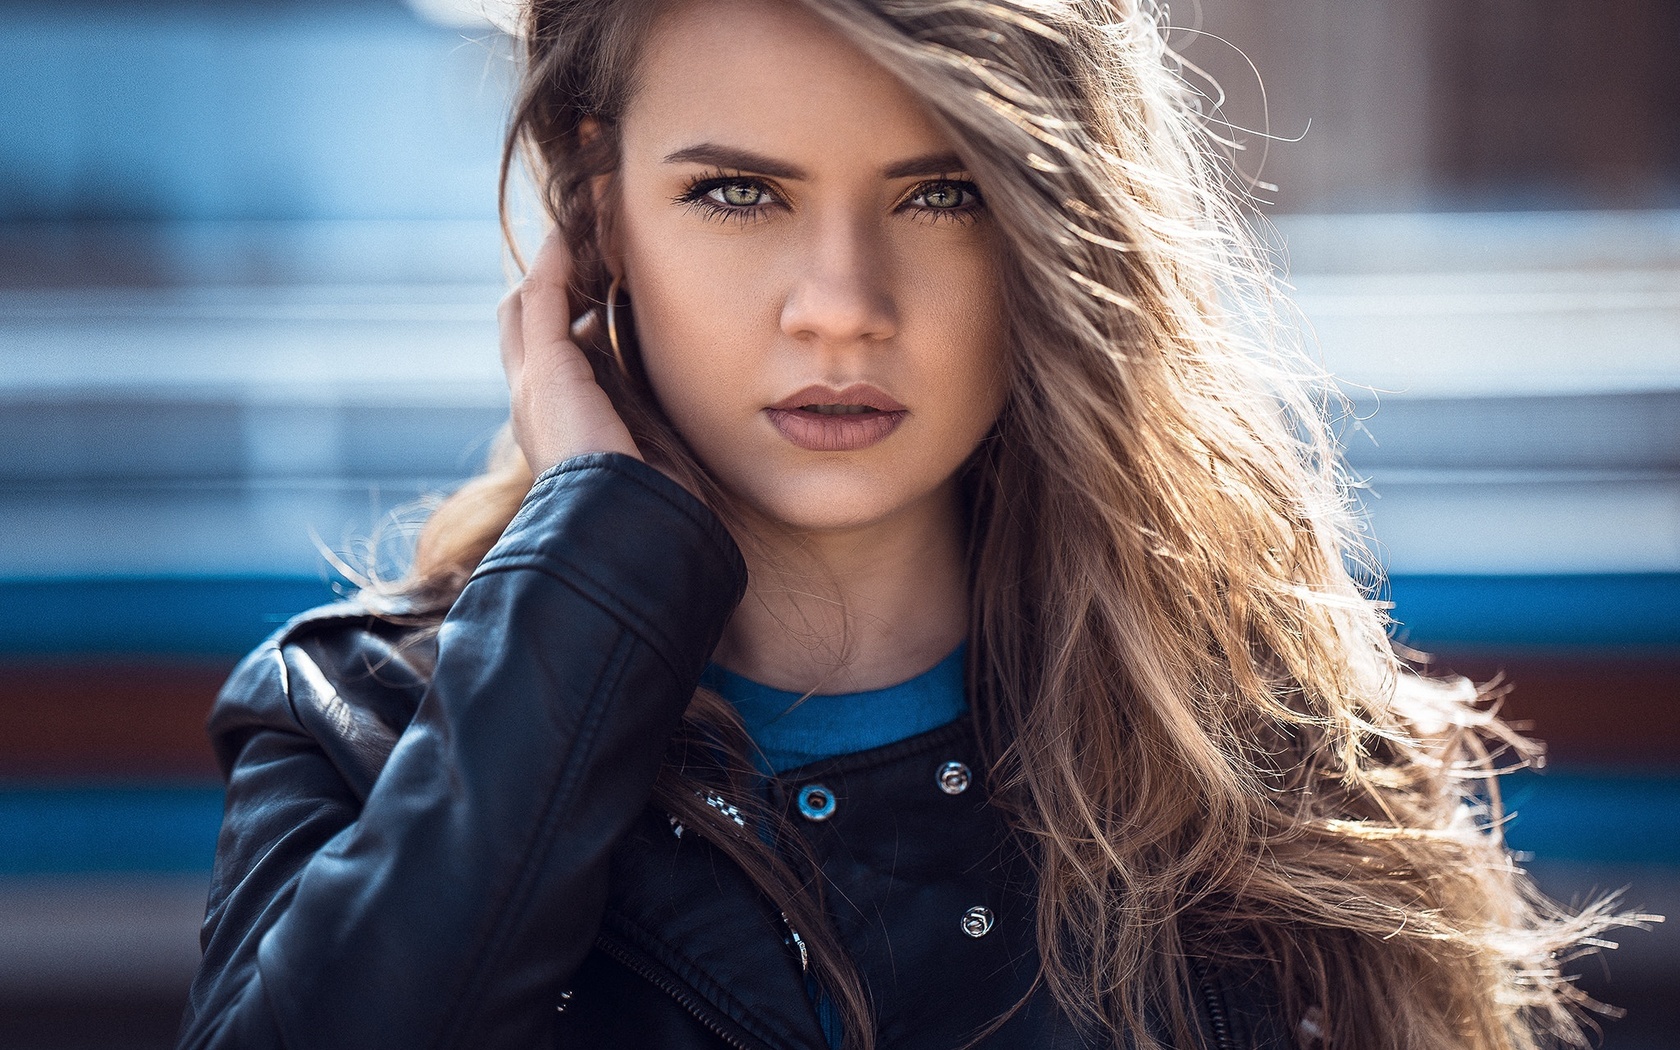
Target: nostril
838	310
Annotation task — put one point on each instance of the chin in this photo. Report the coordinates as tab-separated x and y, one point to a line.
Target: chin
822	500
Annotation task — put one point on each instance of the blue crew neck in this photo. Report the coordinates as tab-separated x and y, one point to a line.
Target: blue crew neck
791	733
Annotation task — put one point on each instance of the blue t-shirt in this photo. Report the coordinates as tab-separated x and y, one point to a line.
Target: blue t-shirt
791	732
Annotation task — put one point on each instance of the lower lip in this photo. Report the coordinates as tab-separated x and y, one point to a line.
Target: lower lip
820	433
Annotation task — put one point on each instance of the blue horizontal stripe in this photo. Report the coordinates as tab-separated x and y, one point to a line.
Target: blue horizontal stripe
1603	817
226	616
1605	610
201	616
59	830
108	829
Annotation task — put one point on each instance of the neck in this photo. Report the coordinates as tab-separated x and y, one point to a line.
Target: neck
848	610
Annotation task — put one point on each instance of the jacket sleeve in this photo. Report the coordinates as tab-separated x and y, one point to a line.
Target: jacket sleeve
451	907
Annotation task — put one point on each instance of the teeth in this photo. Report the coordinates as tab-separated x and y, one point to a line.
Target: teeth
837	410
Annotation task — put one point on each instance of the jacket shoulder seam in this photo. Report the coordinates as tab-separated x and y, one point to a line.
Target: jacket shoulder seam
319	617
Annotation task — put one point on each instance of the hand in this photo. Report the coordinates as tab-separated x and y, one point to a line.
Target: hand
558	409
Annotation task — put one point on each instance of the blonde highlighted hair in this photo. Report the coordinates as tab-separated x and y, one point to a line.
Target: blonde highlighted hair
1198	728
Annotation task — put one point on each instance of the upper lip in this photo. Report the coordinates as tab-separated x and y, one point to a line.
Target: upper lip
857	394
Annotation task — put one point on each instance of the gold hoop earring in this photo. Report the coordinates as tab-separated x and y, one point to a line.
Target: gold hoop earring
612	324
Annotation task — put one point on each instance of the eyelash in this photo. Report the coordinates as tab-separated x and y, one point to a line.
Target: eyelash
697	195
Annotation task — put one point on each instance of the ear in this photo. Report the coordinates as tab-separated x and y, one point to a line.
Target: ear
601	189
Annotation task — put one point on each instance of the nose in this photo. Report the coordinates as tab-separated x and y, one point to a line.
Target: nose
842	292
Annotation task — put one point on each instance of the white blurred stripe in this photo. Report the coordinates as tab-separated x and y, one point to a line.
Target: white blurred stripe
240	529
501	15
1417	335
1512	522
256	348
1483	335
1475	522
63	935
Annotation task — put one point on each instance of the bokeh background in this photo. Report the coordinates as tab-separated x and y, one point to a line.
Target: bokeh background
248	265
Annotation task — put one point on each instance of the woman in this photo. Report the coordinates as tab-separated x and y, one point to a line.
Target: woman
1051	715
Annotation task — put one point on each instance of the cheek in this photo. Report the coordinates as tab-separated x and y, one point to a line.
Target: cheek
961	304
695	318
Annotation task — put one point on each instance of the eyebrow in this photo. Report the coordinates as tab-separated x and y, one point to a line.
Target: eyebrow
747	160
925	166
731	157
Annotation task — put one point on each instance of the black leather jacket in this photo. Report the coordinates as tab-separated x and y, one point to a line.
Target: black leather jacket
452	845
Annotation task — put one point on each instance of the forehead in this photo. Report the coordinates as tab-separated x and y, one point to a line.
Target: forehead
768	76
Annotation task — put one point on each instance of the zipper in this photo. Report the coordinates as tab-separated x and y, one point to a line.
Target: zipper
684	995
1217	1020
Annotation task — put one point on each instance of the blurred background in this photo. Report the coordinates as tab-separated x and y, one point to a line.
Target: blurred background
248	265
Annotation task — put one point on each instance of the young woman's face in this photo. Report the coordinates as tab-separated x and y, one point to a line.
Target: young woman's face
813	275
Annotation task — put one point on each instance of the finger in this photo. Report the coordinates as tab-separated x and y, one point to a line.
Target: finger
547	318
509	322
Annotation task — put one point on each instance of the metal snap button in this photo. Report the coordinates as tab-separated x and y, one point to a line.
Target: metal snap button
977	921
816	802
953	778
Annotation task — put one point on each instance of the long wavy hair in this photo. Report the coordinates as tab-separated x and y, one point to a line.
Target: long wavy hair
1196	724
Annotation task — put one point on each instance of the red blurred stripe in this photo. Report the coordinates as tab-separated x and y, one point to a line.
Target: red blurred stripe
107	719
1594	708
128	719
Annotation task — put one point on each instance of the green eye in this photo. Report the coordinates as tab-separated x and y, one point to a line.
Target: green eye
731	198
741	194
945	200
943	196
